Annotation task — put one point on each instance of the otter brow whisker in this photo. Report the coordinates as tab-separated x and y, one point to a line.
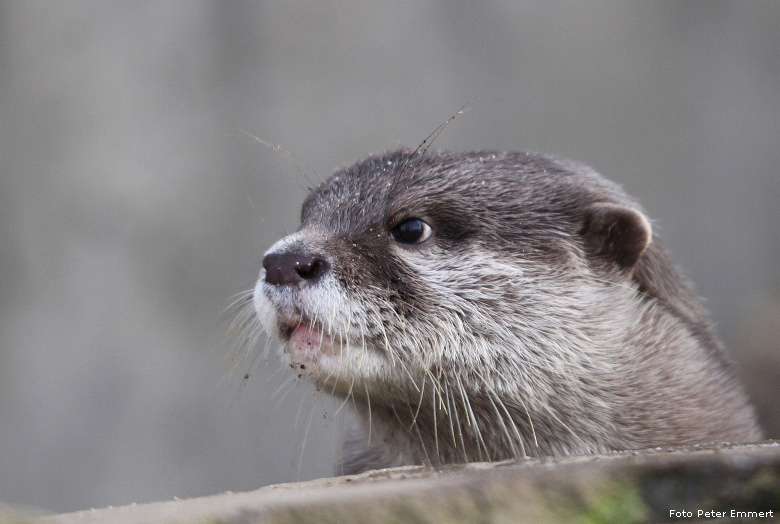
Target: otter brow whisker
286	155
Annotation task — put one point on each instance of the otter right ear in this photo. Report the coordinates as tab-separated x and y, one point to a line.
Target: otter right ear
616	234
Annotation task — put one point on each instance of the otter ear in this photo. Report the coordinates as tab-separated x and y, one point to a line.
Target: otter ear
616	234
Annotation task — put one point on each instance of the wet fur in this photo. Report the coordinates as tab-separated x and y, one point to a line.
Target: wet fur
543	318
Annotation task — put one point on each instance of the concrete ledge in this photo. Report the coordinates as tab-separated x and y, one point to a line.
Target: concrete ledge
641	486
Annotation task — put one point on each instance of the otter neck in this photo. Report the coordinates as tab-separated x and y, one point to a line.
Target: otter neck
444	428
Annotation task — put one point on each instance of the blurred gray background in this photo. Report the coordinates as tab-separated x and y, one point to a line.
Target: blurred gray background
133	206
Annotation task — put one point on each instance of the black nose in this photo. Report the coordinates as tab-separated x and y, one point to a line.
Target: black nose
292	268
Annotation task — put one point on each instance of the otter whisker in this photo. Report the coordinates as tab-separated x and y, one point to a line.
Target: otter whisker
305	437
368	404
338	369
282	393
459	426
254	338
509	417
530	422
237	302
567	428
283	153
474	424
494	396
420	437
400	362
412	380
243	317
300	408
500	419
363	351
347	397
427	141
435	426
419	402
277	396
387	343
450	414
436	387
246	330
401	421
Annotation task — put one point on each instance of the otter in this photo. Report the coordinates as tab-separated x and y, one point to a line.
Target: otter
482	306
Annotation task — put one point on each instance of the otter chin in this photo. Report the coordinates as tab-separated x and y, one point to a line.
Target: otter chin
482	306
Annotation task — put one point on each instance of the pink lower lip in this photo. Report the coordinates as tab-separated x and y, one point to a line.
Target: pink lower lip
309	343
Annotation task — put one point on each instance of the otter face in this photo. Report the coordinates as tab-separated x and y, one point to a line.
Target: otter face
443	265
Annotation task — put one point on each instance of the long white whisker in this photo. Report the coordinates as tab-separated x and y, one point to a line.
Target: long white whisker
435	426
305	437
553	415
475	424
509	438
419	403
493	396
530	422
368	403
346	398
450	414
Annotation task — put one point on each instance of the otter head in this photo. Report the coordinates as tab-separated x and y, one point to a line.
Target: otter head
490	305
407	269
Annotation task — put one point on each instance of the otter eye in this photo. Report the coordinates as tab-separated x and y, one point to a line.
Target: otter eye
411	231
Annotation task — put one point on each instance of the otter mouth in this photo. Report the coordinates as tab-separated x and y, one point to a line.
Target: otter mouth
305	341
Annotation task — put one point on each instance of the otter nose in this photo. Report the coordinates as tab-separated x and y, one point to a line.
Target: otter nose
291	268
